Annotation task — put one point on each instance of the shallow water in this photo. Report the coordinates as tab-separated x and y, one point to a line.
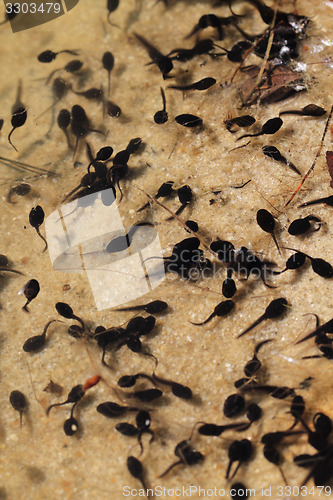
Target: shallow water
39	460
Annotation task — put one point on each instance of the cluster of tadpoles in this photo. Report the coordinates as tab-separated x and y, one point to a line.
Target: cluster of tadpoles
288	29
103	178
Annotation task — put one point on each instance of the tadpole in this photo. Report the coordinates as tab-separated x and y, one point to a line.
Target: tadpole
273	310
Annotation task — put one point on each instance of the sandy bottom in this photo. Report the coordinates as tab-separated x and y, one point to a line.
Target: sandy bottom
38	460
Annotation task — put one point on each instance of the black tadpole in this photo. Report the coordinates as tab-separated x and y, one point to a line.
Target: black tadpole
147	395
21	189
64	120
229	288
185	196
187	456
71	426
110	409
71	67
268	128
216	430
91	94
189	121
161	117
239	451
241	121
111	6
164	63
309	110
67	312
319	266
113	109
203	84
237	52
211	20
274	153
36	219
19	118
121	243
301	226
328	200
222	309
204	46
266	222
48	55
154	307
80	124
233	405
135	468
254	364
18	401
108	63
296	261
36	342
273	310
102	155
30	290
166	189
75	394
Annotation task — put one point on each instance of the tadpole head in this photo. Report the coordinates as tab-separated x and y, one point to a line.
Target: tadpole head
276	308
64	310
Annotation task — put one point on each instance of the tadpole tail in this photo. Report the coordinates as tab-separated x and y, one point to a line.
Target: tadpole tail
132	308
55	404
178	211
112	24
75	147
42	237
83	325
248	135
146	205
51	74
232	12
25	307
10	271
283	476
206	321
162	381
259	346
140	443
228	469
72	52
276	243
278	272
179	462
68	140
314	202
103	358
9	136
291	112
292	166
193	32
256	323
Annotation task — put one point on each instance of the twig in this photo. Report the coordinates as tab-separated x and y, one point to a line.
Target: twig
314	161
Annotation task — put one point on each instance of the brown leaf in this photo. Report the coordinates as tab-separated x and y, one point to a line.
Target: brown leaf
275	86
53	388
